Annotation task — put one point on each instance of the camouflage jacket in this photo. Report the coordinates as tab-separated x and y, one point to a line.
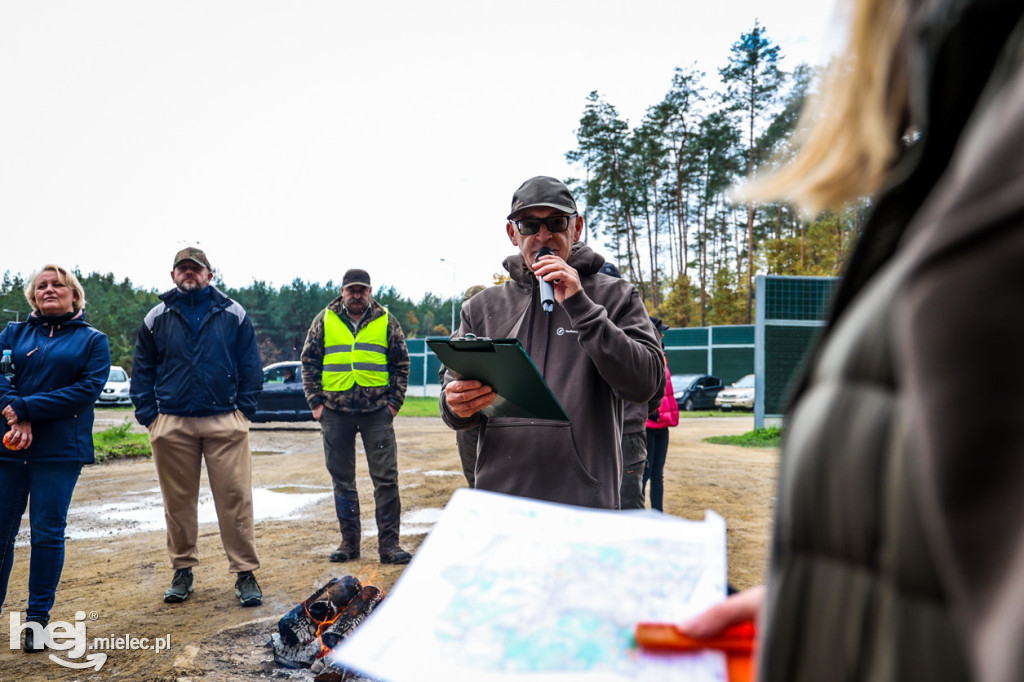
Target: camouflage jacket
358	399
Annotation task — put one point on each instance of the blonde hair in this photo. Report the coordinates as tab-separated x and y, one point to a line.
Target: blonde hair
65	276
849	133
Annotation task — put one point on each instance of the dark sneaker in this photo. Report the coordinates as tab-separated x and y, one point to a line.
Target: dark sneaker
28	641
181	586
394	555
345	552
247	590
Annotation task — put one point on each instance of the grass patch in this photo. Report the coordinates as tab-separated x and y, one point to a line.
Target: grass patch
683	414
767	437
117	442
415	406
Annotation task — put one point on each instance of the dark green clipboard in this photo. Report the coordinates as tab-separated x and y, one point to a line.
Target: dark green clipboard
504	365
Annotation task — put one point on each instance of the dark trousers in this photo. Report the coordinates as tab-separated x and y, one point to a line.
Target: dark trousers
466	442
657	449
45	488
378	433
634	456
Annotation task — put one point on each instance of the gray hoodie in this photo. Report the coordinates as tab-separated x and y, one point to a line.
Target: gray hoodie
594	350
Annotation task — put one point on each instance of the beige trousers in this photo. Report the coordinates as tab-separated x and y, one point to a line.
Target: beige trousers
179	446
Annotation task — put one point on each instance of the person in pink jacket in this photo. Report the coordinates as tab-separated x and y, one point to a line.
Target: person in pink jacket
657	433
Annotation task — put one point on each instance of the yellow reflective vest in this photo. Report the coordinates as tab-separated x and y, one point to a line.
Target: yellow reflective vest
355	360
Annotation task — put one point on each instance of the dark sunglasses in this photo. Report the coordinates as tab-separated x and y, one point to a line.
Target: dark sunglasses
556	223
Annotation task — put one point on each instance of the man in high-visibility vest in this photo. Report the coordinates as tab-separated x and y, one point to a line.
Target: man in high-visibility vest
355	370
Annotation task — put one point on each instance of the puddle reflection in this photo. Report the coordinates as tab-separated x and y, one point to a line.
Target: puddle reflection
144	511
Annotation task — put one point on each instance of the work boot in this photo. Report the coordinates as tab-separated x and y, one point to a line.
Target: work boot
28	638
181	586
248	590
393	554
347	551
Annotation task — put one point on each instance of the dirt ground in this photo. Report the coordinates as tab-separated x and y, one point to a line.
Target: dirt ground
118	579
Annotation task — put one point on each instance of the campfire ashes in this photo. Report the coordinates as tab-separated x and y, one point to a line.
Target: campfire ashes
307	633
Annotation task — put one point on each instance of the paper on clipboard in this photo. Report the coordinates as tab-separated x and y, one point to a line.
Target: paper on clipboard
504	365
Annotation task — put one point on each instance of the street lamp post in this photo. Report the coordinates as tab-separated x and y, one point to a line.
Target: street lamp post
452	263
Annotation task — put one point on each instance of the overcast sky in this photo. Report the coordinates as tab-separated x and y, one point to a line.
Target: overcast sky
299	139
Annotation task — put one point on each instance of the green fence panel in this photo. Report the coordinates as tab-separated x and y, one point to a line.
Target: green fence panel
687	361
687	336
791	312
730	364
786	349
731	353
740	334
417	375
433	367
798	298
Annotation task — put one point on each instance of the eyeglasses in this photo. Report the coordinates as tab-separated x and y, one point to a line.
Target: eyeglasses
555	223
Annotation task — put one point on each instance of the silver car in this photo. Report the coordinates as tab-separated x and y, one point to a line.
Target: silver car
739	395
116	390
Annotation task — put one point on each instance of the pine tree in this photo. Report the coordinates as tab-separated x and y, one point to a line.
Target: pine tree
752	80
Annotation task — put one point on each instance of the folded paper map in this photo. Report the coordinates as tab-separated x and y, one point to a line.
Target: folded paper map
506	587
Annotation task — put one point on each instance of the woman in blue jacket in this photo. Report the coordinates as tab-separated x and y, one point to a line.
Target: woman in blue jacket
60	366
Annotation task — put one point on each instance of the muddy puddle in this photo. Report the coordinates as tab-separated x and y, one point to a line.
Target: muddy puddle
143	511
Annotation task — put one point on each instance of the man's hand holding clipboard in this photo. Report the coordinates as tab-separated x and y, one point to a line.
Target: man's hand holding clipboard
495	377
466	397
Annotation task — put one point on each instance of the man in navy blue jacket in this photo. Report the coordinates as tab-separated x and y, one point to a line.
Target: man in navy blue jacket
196	377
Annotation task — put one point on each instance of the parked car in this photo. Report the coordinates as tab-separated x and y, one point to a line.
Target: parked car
739	395
695	391
116	390
282	398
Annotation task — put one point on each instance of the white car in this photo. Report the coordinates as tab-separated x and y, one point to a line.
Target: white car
739	395
117	388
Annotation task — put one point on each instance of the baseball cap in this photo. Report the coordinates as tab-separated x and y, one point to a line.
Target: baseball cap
356	277
193	254
611	270
659	325
472	291
542	191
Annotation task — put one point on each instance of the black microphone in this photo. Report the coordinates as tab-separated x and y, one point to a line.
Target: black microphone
547	292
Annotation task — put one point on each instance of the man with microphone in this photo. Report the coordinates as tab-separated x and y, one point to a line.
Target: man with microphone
591	339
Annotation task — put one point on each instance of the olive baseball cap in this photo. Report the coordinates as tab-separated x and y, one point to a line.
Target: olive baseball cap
193	254
472	291
356	277
542	191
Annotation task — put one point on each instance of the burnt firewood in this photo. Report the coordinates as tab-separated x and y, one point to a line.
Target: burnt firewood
299	626
294	655
342	592
330	673
353	614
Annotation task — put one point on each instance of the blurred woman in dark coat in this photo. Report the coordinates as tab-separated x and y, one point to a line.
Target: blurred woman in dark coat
898	549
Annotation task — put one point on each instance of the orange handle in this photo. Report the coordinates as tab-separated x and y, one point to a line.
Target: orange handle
738	639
